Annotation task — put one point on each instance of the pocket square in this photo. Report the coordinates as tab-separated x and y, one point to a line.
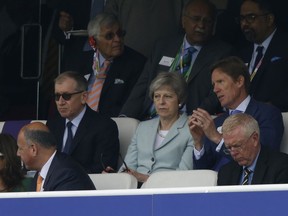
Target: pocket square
118	81
275	58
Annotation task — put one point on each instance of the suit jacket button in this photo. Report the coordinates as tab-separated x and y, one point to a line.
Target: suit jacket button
152	159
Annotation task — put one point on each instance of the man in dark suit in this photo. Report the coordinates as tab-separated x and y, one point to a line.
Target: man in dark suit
197	20
55	171
269	75
116	67
230	79
253	164
95	137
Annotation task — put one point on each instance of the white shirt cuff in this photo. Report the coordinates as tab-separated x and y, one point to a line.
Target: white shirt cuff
198	154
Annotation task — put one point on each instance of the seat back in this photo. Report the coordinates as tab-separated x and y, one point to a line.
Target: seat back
13	126
181	178
127	127
113	181
284	142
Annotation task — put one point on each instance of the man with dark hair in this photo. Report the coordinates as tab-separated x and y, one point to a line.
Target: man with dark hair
56	171
230	79
89	137
252	163
267	53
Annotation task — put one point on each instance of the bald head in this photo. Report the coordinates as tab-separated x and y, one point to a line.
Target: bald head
39	133
35	126
35	145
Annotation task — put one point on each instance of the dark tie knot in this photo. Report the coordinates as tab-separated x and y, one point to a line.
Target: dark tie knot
69	124
191	50
259	49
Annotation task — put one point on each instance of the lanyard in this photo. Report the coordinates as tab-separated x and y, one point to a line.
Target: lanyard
256	69
179	59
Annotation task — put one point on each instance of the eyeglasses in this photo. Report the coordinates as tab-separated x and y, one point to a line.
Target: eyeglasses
249	18
197	19
65	96
237	147
110	35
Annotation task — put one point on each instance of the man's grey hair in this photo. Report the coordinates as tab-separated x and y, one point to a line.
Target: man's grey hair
247	123
101	20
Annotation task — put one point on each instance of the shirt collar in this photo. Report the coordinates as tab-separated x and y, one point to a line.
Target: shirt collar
76	121
187	45
265	43
243	105
253	165
45	168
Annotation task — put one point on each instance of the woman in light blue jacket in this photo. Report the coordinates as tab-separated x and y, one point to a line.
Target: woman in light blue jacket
164	142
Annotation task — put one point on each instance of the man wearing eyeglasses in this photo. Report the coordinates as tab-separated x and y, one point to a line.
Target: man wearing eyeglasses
169	55
231	82
89	137
116	67
252	163
267	53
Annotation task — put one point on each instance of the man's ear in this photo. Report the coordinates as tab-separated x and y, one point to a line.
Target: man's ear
240	80
92	42
270	19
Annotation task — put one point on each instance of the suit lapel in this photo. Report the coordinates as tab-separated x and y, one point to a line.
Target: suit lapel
111	74
152	132
266	60
236	174
251	108
49	174
260	168
173	132
60	133
81	130
199	63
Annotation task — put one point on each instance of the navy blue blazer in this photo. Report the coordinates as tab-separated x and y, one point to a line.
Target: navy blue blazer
96	135
270	82
271	168
271	126
65	174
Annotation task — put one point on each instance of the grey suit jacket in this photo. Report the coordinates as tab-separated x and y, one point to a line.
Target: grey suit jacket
199	82
175	153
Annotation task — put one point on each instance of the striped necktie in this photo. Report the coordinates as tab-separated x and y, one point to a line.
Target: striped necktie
247	173
96	89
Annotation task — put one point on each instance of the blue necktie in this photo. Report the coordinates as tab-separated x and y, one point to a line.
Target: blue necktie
235	112
69	139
